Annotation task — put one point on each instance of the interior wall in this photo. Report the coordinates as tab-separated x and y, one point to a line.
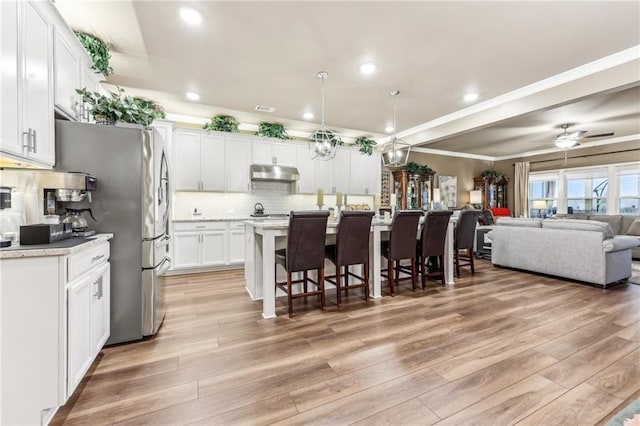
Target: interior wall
596	156
465	169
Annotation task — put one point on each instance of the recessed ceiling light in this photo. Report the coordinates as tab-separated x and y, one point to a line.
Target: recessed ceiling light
368	68
192	96
190	15
470	97
388	129
307	115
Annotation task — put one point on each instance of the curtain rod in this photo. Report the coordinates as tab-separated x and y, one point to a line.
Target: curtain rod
584	156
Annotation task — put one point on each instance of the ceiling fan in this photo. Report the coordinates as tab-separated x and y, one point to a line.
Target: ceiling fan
568	140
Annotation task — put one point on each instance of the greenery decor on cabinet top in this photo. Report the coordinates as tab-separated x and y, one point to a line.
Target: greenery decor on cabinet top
121	107
98	51
222	123
365	145
417	169
491	174
272	130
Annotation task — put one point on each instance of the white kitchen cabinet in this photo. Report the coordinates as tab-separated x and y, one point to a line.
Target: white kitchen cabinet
305	165
27	82
100	313
88	309
54	321
186	249
323	175
67	76
236	243
79	342
365	174
212	164
238	155
198	161
269	152
341	172
214	247
207	245
90	80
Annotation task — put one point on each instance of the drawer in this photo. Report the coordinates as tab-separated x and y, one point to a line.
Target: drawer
199	226
236	225
80	263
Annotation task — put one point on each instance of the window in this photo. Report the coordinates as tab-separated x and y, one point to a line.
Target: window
628	192
587	195
543	188
607	189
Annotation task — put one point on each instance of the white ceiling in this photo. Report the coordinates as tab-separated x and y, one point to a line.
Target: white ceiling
268	53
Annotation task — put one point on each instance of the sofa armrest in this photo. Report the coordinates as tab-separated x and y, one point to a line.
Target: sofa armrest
620	242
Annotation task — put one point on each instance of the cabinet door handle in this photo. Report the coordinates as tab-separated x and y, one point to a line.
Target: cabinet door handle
35	141
28	142
95	258
99	289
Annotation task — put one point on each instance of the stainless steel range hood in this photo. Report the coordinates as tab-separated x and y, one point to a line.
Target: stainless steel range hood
274	173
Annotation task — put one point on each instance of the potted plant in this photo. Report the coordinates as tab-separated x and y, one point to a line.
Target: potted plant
120	107
365	145
272	130
326	135
417	169
98	51
222	123
494	175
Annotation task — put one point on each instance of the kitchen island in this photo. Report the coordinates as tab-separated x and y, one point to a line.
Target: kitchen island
262	238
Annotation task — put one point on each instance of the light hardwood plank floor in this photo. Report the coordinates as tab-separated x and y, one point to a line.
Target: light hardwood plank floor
501	347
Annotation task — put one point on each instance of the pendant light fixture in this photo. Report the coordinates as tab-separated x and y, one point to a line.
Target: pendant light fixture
395	153
323	142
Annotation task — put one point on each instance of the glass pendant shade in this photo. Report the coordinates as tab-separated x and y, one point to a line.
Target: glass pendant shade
323	142
395	153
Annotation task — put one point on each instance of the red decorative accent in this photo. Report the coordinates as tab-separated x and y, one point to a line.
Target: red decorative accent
500	211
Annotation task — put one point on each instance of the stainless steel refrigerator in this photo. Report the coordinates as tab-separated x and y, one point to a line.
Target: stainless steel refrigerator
133	202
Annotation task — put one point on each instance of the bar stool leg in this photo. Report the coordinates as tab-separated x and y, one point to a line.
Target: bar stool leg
390	274
457	260
289	298
305	277
414	274
366	281
470	254
321	283
346	280
442	268
338	291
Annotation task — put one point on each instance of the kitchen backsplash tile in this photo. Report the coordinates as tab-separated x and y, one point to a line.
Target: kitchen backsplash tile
213	204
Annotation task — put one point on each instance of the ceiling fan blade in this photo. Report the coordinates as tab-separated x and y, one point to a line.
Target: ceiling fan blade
599	135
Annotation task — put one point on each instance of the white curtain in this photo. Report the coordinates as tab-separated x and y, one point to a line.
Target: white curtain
521	189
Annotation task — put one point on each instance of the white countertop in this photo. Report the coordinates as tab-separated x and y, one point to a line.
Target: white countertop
214	219
284	224
24	251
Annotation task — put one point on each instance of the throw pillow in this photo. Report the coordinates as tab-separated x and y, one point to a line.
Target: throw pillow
634	229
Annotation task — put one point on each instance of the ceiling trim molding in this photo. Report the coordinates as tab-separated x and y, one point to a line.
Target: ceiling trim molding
629	138
452	154
614	63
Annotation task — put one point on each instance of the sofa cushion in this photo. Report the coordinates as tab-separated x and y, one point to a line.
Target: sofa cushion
615	221
580	225
634	228
517	221
570	216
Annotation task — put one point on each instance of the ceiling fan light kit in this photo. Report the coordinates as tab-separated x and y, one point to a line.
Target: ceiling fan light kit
395	153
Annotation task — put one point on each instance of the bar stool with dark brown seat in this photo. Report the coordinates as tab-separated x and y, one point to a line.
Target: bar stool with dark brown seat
432	243
401	245
305	251
464	236
351	248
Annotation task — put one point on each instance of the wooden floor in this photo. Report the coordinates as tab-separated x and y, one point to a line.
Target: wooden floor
501	347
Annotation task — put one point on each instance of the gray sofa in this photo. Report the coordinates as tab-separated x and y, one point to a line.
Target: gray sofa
582	250
620	225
